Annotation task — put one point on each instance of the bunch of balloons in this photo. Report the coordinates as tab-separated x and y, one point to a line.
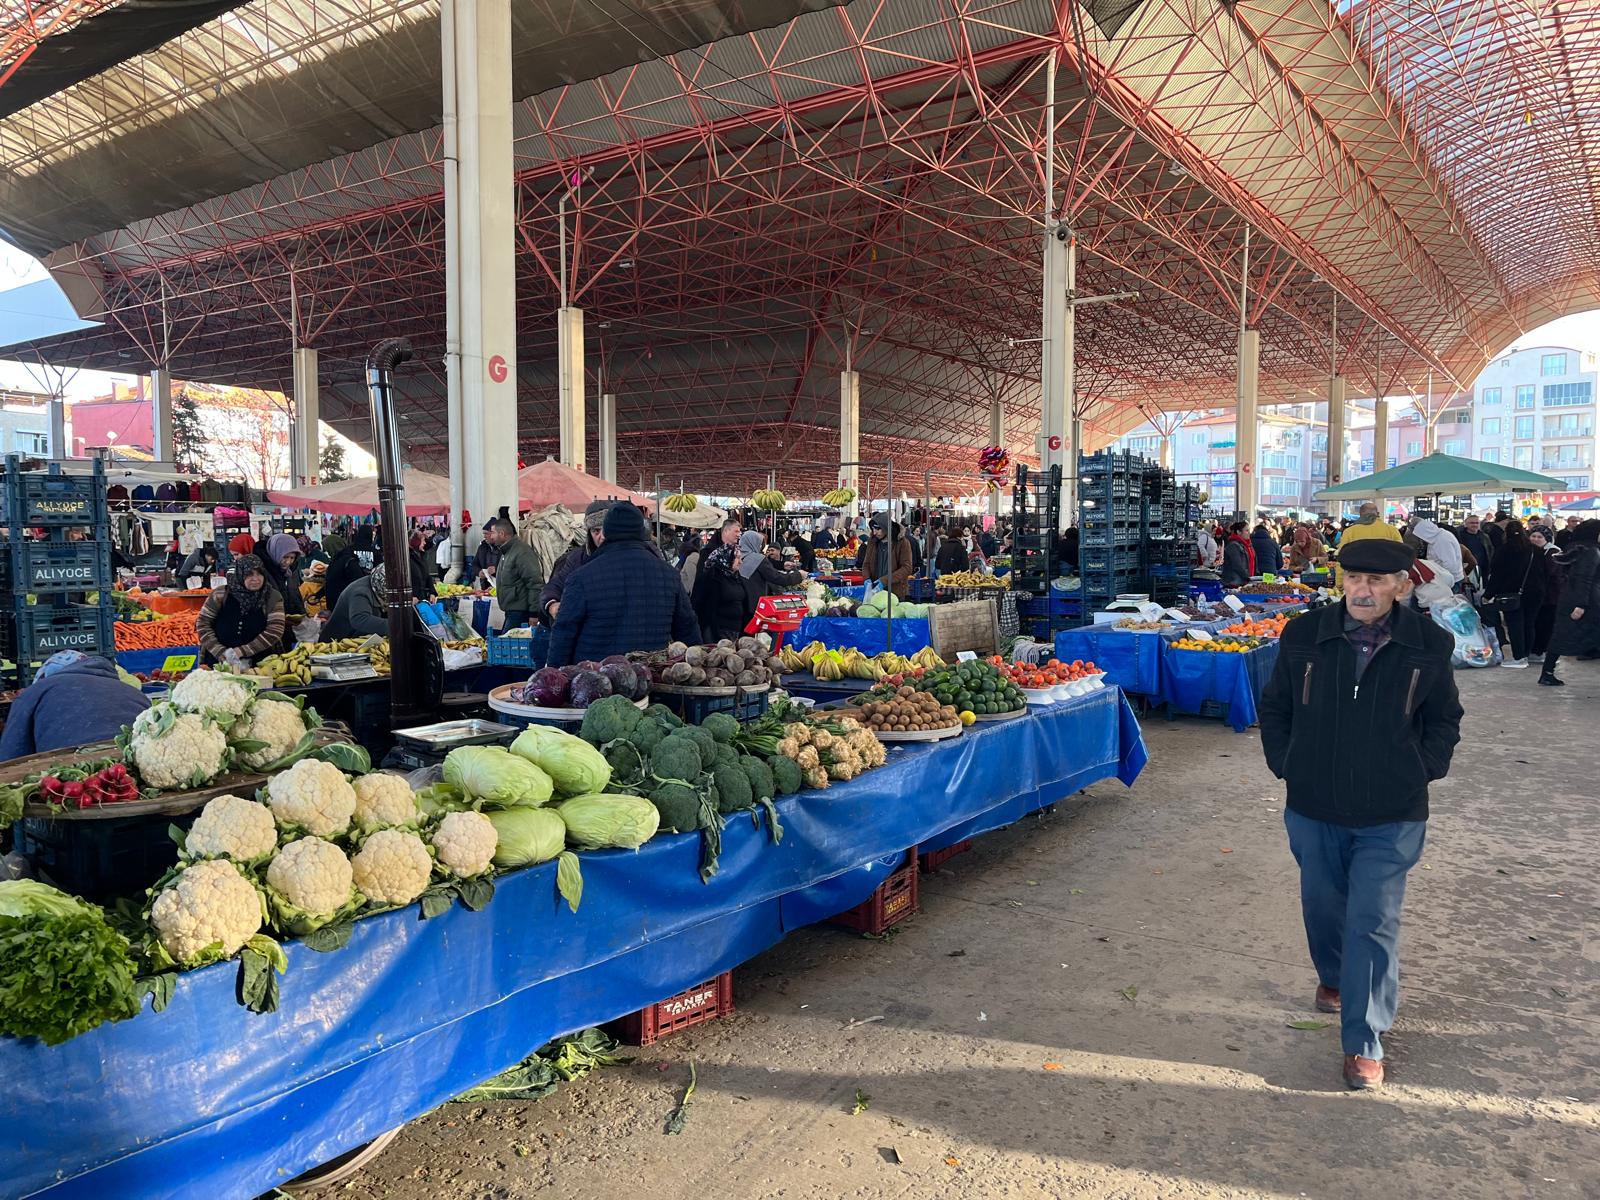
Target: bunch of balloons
994	464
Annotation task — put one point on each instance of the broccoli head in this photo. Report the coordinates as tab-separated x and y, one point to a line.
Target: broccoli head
702	736
647	735
721	726
786	774
626	759
608	719
679	806
762	785
663	715
725	756
676	757
733	788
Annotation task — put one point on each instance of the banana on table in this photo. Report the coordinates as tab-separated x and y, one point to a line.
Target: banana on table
828	665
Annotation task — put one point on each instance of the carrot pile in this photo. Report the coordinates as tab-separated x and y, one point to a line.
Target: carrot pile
176	630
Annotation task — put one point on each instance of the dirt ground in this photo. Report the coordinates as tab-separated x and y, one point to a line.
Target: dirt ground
1097	1003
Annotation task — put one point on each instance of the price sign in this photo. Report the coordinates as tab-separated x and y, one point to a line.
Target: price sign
1200	635
1151	612
179	662
1234	603
965	656
1177	614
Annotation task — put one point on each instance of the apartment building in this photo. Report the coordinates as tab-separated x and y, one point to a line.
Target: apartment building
1535	409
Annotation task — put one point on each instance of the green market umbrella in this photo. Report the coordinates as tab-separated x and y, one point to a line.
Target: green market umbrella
1441	475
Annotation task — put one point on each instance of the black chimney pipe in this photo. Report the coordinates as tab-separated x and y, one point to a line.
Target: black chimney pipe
385	357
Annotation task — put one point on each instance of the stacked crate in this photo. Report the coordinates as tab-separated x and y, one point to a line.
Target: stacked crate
1035	521
1111	494
59	588
1168	554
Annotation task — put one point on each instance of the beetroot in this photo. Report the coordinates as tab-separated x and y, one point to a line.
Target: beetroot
547	687
587	687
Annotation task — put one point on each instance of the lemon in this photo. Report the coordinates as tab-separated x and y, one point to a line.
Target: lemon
968	717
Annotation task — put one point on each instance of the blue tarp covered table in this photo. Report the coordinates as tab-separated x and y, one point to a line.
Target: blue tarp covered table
1190	678
866	634
208	1099
1130	659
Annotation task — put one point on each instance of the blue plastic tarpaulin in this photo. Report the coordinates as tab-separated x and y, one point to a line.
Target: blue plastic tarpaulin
206	1098
866	634
1189	678
1130	659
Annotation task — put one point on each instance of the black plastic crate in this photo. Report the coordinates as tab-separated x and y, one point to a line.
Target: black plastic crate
99	859
33	632
50	567
742	705
31	498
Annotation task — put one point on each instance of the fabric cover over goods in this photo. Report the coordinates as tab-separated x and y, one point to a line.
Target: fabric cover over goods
427	495
410	1013
550	482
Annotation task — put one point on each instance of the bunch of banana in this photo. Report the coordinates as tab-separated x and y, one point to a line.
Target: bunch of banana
838	497
289	669
809	652
971	579
827	666
681	503
892	662
926	658
464	644
768	499
791	660
379	654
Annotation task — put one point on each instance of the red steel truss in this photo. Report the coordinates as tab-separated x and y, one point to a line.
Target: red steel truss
865	184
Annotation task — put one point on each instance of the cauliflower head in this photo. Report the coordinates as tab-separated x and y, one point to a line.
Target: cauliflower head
465	843
174	749
312	877
384	799
213	692
232	827
392	867
278	723
208	912
313	795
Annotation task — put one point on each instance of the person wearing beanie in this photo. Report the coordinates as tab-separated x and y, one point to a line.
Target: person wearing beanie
593	538
517	575
624	598
1372	678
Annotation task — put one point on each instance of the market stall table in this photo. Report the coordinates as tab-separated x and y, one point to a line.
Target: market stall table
1130	658
207	1098
1192	681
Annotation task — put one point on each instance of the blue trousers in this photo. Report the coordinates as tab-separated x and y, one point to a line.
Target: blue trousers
1352	883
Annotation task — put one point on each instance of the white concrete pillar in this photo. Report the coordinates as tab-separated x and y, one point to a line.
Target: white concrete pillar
1335	430
1165	450
569	377
58	428
480	257
306	451
161	413
850	435
1380	434
997	437
1247	430
1056	443
608	436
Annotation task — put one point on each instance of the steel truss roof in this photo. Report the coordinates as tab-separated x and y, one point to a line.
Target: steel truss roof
865	184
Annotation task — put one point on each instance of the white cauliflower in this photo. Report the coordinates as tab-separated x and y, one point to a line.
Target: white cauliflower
312	877
173	749
384	799
465	843
313	795
278	723
392	867
213	692
209	904
232	827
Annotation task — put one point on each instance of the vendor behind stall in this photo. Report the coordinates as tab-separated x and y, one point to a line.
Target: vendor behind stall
76	698
876	561
203	562
362	609
344	568
243	619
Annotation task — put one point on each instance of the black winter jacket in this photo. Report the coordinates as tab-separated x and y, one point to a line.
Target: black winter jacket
1269	555
1361	754
624	598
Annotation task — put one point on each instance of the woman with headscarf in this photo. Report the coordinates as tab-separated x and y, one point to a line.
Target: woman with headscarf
1577	630
280	556
1514	591
362	609
1543	619
760	575
718	590
1307	552
244	618
344	568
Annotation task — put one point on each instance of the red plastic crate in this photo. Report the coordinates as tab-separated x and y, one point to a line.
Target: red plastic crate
696	1006
934	859
894	901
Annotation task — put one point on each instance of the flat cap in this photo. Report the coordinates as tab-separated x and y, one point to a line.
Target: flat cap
1376	555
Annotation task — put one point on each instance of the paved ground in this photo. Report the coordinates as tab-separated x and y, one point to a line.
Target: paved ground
1097	1004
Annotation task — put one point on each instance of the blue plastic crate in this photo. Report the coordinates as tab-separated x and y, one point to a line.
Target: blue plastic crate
527	652
33	632
50	498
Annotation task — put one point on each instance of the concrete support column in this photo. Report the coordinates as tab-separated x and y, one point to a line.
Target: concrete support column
1165	451
1380	433
161	412
850	434
569	377
997	437
1057	369
480	258
608	436
305	453
1247	430
58	428
1335	474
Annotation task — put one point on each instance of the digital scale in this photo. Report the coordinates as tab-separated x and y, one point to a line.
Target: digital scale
342	668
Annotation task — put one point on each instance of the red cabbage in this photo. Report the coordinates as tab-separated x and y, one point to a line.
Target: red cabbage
548	688
587	687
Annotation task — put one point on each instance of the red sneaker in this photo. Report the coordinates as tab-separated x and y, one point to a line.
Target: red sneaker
1327	999
1362	1074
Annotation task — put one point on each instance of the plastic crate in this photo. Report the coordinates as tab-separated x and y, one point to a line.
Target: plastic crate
932	860
50	498
696	1006
896	898
527	651
52	567
741	706
101	859
33	632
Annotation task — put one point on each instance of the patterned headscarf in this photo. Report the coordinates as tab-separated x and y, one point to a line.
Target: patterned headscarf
249	601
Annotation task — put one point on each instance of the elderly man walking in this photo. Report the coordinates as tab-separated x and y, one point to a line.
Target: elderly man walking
1372	678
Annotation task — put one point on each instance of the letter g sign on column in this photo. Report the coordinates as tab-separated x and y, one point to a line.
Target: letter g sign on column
497	369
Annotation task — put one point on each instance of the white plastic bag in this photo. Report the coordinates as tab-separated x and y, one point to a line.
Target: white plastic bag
308	630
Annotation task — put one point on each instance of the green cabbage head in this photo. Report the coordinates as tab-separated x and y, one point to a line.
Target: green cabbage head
527	836
577	768
603	822
497	777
